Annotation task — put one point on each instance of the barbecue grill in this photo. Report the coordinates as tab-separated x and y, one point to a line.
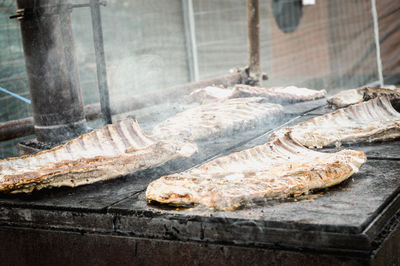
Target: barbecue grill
354	223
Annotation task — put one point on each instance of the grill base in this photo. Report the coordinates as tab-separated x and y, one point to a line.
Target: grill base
72	248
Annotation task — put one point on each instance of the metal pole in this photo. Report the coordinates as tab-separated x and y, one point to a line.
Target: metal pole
253	30
100	61
190	39
377	44
51	70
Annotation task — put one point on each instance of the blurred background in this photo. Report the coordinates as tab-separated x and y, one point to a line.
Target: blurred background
151	45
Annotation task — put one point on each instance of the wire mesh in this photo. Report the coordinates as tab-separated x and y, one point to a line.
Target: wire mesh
144	47
329	45
12	65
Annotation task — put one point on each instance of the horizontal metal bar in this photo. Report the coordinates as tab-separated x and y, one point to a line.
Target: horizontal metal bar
16	128
24	127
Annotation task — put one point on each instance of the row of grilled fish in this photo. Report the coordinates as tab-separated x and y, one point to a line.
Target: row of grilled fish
113	151
284	166
281	95
374	120
122	148
278	168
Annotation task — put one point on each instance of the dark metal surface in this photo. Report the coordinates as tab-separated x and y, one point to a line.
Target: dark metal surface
52	73
332	218
336	222
43	247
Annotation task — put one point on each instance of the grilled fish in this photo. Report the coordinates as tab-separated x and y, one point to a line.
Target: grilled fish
345	98
354	96
210	94
275	169
115	150
374	120
282	95
216	120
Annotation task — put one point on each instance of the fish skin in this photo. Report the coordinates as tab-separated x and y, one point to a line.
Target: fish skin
276	169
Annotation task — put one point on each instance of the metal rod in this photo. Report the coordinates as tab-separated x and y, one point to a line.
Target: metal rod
100	61
377	44
16	128
190	36
24	127
19	97
188	44
253	30
52	71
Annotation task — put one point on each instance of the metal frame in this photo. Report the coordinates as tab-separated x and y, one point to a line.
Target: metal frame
377	43
49	10
51	70
253	30
101	68
252	75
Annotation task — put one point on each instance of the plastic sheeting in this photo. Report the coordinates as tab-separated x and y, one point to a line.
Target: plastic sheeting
327	45
389	37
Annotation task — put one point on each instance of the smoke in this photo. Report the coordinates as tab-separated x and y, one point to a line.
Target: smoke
135	75
144	48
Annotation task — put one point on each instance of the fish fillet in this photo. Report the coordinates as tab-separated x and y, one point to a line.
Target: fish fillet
102	154
290	94
276	169
353	96
210	94
218	119
345	98
374	120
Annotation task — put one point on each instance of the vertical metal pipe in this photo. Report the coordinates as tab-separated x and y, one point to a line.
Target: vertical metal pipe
188	44
253	30
100	61
190	36
51	70
377	43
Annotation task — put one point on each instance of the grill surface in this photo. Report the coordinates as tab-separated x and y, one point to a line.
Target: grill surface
354	222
